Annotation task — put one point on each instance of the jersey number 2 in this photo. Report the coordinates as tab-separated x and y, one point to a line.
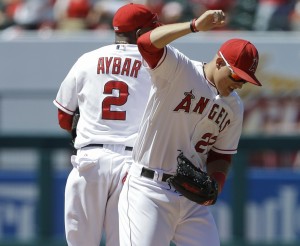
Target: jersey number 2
121	99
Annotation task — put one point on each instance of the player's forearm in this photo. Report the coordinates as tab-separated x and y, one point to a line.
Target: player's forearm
218	170
163	35
218	166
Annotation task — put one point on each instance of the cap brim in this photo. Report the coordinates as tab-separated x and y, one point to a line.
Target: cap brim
251	79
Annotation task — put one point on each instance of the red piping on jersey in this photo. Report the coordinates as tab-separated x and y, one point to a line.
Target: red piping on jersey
211	83
226	150
71	112
162	60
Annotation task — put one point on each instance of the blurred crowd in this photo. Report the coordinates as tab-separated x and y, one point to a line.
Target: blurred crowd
273	116
258	15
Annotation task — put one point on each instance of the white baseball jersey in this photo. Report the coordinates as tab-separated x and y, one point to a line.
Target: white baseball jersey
111	88
184	113
187	111
104	83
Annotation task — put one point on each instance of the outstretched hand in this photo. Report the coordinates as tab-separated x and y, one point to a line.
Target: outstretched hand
210	19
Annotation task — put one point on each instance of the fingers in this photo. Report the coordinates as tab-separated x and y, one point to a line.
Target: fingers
218	17
210	19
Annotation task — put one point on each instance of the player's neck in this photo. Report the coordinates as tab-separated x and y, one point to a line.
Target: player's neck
125	38
206	74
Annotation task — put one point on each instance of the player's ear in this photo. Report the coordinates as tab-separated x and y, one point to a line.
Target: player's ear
220	62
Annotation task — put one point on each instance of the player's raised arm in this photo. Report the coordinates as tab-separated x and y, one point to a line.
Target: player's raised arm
165	34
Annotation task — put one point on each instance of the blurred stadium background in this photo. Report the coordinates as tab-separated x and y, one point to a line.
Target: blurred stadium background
39	42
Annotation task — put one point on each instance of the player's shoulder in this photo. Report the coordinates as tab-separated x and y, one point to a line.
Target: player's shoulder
184	61
235	97
172	51
232	101
199	65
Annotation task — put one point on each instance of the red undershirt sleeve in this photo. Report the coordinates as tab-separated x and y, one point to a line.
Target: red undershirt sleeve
212	156
219	176
150	53
65	120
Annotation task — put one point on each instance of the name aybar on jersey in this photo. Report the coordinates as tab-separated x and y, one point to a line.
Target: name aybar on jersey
118	65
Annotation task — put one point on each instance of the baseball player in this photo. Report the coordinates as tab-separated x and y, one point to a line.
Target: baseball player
193	108
111	88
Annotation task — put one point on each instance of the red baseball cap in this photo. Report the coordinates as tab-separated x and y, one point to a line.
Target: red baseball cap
131	17
242	57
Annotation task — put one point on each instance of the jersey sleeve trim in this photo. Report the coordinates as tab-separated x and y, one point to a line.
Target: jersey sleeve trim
162	58
58	105
224	151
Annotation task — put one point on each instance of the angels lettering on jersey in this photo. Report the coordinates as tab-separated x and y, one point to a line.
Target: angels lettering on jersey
218	113
224	115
